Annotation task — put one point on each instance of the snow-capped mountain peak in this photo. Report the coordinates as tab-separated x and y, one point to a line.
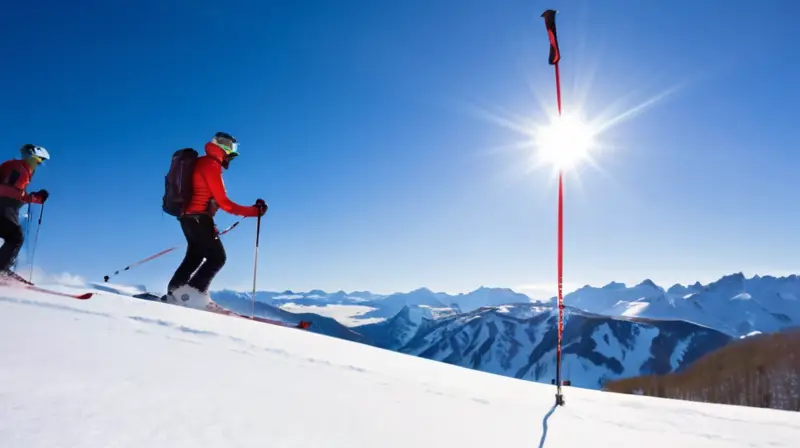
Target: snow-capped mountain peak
733	304
647	283
519	341
611	286
395	332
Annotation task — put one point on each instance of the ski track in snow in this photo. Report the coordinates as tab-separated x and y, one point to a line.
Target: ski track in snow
122	372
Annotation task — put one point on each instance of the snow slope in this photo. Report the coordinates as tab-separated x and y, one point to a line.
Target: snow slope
122	372
127	290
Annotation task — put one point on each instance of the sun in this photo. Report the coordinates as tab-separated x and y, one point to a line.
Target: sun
564	142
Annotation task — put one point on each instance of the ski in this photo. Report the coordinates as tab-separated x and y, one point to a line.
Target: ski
21	282
216	308
84	296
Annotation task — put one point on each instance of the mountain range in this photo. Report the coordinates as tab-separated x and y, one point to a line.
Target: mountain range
520	341
386	306
735	305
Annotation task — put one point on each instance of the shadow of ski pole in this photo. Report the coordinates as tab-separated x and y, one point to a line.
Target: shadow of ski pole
544	426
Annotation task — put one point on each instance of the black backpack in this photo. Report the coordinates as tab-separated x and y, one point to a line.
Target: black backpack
178	182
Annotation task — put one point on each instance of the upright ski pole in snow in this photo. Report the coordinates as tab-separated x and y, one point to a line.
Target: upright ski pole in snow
554	58
255	269
35	241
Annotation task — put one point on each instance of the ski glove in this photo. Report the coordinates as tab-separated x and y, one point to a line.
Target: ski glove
261	206
39	197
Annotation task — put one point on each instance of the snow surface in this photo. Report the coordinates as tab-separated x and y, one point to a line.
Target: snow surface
126	290
123	372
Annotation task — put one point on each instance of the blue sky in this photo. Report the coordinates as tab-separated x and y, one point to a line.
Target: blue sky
358	126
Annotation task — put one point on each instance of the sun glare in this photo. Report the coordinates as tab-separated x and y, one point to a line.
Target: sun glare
564	142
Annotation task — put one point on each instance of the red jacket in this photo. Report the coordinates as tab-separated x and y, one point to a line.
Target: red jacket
15	175
208	189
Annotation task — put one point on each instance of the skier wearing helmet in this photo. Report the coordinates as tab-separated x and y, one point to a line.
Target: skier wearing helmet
205	254
15	175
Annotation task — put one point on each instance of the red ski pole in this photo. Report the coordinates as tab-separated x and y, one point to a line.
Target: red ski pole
553	59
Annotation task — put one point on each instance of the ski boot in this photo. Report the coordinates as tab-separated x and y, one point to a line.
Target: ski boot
190	298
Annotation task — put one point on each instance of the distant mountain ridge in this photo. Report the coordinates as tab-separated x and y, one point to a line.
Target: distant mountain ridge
386	306
734	305
520	341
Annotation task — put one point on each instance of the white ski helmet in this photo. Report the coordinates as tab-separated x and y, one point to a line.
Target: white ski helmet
227	142
29	150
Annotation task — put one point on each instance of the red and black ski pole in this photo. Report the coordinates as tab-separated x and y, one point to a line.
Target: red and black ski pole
163	252
553	59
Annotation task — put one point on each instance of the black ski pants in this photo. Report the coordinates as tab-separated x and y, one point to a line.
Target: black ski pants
11	233
203	244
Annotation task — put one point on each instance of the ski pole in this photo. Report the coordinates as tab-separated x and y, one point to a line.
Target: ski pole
27	231
28	220
35	241
255	268
163	252
553	59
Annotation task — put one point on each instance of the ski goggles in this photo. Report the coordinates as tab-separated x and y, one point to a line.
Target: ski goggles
227	143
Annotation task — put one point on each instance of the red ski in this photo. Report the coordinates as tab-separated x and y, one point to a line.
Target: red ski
215	308
84	296
13	280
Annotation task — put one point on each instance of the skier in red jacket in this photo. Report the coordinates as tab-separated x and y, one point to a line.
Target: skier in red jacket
197	223
15	175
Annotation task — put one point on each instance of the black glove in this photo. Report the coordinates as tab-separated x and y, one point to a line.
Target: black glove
43	195
262	207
